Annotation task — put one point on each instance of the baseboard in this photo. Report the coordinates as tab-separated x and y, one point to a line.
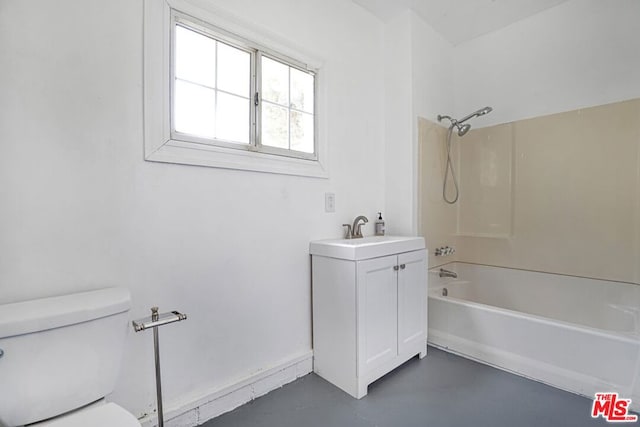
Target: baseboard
195	409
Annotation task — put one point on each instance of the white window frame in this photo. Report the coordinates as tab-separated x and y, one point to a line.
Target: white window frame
161	144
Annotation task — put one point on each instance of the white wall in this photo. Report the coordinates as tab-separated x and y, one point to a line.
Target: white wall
432	71
80	209
398	125
579	54
418	78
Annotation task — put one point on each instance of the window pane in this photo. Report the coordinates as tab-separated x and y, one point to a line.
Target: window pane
301	90
195	57
234	68
194	109
212	95
233	118
302	132
275	126
275	81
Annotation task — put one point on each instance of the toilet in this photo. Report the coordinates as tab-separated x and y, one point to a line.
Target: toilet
60	357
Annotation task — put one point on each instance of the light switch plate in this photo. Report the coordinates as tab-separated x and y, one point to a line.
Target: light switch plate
329	202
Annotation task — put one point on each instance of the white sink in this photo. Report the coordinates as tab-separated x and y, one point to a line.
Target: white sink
365	247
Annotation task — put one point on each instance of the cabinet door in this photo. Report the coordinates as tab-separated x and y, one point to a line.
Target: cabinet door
377	309
412	300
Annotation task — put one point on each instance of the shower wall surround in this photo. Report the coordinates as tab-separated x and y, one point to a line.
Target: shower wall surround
557	193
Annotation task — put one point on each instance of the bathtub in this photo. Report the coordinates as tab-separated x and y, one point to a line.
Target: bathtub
577	334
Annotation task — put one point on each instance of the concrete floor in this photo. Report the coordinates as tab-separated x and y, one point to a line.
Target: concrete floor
441	390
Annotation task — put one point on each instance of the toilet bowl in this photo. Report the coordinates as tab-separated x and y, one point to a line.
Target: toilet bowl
60	357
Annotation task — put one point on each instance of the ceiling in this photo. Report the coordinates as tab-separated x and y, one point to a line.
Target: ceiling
461	20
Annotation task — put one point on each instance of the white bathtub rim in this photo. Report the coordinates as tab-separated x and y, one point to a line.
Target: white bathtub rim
630	337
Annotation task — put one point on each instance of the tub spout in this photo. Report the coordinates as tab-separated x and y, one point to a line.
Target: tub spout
447	273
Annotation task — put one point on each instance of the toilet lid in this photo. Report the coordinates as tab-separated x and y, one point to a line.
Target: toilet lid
107	415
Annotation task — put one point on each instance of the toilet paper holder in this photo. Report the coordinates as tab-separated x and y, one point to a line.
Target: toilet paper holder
160	320
156	320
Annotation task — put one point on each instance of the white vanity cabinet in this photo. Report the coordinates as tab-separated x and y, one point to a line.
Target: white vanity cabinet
369	308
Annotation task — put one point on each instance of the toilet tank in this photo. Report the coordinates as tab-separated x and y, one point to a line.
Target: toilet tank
60	353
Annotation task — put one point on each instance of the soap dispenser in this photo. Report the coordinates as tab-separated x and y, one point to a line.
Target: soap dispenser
379	225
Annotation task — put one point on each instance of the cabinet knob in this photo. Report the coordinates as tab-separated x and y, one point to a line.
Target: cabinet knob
395	268
402	266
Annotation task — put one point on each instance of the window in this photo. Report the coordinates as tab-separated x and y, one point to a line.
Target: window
227	101
212	88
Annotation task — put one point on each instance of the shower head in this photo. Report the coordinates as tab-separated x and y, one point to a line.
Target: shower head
480	112
462	130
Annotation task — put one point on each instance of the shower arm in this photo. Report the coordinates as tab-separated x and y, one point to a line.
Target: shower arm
470	116
451	119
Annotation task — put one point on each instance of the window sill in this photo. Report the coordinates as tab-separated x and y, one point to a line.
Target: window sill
189	153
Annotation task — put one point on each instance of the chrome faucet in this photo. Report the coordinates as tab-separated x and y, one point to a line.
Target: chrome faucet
355	231
447	273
